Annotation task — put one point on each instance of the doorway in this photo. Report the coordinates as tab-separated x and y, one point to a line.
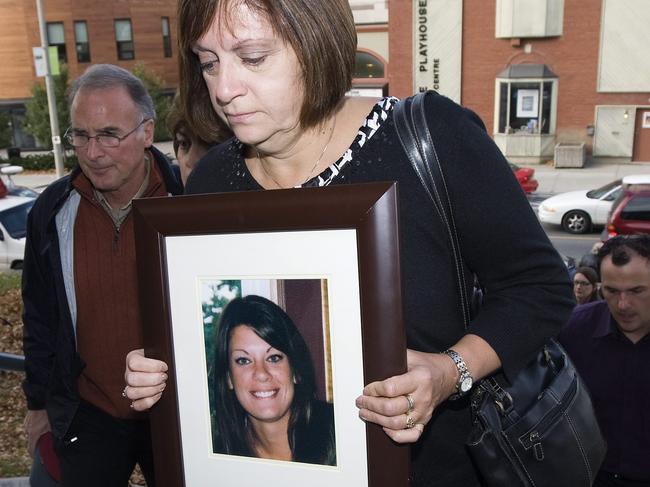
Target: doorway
641	150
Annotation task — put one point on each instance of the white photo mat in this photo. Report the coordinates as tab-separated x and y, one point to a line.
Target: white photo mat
527	103
322	254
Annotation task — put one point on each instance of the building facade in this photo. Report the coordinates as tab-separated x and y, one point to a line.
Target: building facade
131	32
123	32
538	72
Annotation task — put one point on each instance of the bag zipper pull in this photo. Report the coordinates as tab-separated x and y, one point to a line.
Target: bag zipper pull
537	446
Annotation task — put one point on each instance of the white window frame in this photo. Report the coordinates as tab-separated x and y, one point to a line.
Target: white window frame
540	81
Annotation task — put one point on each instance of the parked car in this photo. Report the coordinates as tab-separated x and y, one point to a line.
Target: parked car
581	211
631	215
525	177
13	228
10	187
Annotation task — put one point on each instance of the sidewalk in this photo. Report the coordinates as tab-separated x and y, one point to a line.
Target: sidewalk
551	180
593	175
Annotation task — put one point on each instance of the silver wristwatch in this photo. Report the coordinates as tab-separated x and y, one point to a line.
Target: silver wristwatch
465	379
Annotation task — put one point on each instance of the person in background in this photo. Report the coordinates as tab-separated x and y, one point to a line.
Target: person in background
585	285
79	284
609	343
277	73
590	259
189	147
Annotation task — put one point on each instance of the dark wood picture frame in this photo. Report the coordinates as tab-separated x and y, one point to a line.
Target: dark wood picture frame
369	209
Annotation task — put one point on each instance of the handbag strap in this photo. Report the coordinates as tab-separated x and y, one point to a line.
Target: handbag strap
415	137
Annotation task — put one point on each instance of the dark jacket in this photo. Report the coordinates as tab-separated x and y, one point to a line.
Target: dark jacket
528	294
52	363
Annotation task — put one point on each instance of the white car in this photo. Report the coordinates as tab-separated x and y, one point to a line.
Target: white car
580	211
13	227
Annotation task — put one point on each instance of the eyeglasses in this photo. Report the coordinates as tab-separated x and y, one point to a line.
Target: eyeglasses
582	283
79	139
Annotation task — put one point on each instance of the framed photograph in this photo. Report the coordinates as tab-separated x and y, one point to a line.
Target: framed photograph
527	103
269	307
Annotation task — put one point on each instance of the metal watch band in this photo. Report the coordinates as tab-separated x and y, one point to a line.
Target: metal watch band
465	379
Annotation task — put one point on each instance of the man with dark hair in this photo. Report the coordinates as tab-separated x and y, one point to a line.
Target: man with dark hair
81	313
609	342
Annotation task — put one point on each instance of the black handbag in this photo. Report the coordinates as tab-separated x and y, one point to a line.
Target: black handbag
541	429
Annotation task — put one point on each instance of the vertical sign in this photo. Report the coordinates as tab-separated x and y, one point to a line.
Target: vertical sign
437	46
40	64
53	54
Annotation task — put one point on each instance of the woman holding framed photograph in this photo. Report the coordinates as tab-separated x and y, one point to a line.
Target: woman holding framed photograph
277	73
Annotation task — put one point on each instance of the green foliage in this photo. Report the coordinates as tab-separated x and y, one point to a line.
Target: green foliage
9	280
5	130
37	118
162	102
219	294
41	162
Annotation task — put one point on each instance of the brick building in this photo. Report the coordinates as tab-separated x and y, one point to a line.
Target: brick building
123	32
538	72
128	32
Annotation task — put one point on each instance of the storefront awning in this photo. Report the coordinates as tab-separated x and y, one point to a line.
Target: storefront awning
517	71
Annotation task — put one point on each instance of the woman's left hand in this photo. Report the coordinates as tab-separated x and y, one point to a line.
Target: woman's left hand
430	380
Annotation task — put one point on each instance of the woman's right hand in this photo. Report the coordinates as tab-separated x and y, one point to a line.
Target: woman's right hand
145	380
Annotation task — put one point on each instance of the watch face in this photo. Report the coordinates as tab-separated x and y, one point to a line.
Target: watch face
466	384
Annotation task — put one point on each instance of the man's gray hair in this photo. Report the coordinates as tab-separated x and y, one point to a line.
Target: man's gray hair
108	76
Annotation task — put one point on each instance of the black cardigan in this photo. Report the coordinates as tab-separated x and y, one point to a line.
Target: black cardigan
528	294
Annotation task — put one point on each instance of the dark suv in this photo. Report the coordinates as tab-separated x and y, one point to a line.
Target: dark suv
631	215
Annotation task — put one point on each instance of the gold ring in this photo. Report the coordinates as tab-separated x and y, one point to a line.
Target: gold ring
410	422
411	402
124	391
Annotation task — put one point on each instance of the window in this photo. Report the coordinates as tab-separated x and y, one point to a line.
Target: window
15	219
124	39
637	208
81	41
167	40
529	18
368	66
526	97
56	37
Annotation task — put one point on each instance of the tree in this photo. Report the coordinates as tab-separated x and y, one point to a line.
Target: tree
37	118
161	101
220	293
216	295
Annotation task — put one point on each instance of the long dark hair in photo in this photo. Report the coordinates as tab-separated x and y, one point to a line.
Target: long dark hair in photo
310	434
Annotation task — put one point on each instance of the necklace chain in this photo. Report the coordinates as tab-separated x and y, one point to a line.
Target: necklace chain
320	157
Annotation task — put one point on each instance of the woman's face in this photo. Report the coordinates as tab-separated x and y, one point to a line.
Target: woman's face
188	153
582	288
254	79
260	376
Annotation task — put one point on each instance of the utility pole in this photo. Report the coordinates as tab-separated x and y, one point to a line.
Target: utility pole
51	95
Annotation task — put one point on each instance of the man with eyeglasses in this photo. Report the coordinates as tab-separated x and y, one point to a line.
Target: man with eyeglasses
609	343
81	313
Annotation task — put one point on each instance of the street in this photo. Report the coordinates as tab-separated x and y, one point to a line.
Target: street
566	244
571	245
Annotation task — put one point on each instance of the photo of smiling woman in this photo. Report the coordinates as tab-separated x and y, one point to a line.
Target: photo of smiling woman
264	388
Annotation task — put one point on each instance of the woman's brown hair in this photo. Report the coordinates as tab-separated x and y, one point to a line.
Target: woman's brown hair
321	33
